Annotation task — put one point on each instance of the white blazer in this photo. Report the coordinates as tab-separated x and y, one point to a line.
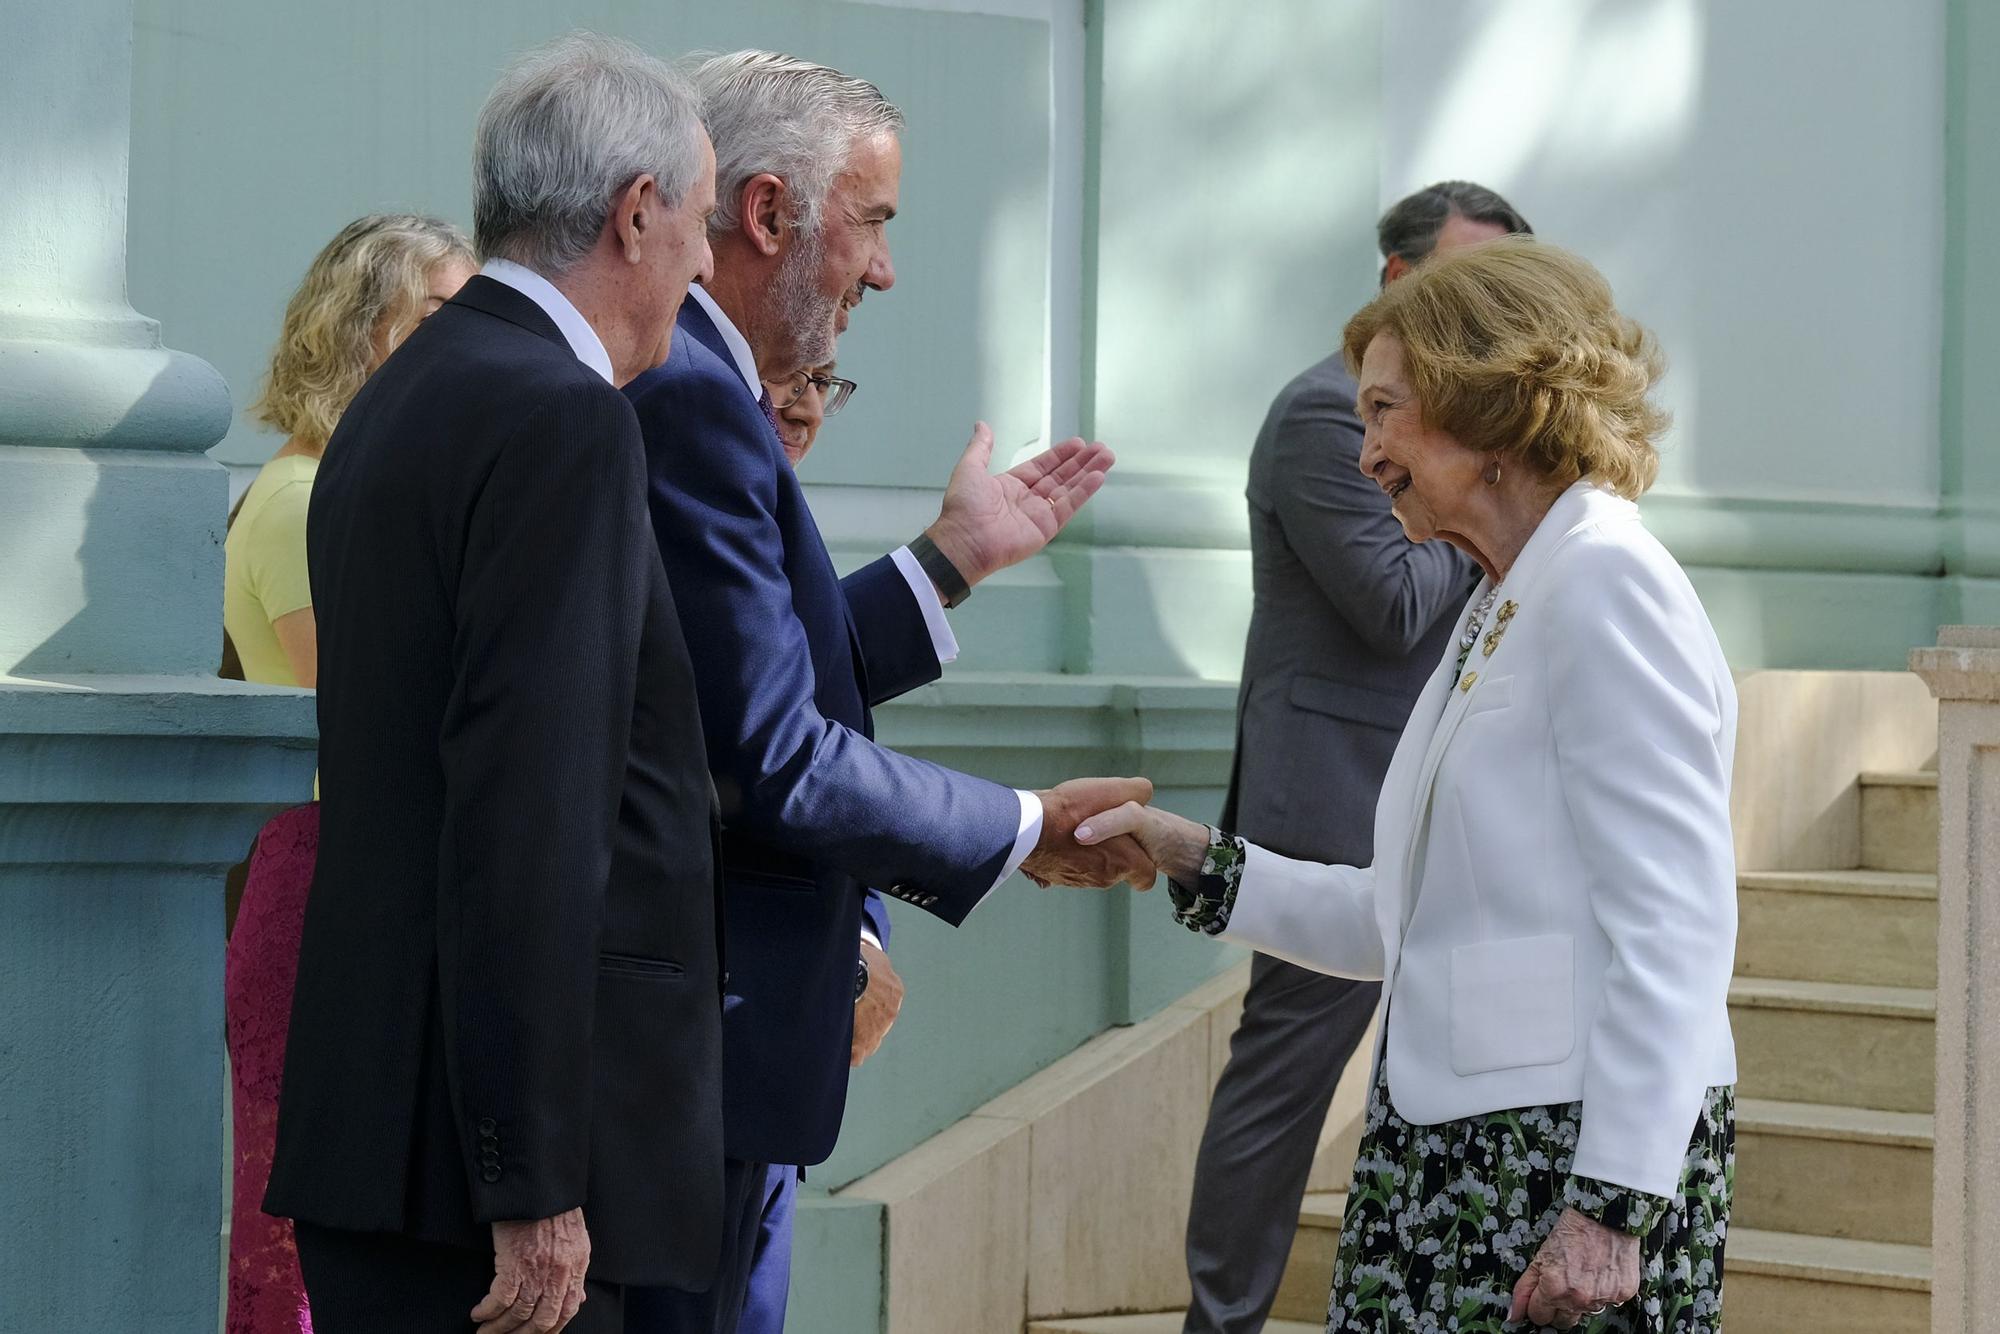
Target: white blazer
1553	899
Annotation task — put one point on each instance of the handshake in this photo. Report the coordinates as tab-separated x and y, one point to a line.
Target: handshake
1060	859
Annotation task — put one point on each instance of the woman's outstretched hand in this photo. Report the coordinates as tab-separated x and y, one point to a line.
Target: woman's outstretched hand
1176	846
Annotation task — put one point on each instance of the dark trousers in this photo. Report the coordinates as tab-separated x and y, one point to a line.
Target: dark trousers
381	1283
1298	1031
753	1195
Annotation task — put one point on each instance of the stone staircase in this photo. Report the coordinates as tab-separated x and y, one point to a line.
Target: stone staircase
1834	1006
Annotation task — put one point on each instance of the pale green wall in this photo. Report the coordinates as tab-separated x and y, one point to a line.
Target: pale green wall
1765	187
263	128
1232	194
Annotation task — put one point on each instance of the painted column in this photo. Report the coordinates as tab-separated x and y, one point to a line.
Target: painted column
1971	394
1963	671
130	777
110	515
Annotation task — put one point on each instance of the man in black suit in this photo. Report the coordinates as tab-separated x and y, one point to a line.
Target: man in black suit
502	1090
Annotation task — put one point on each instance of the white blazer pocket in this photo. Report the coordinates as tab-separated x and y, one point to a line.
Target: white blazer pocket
1489	695
1513	1003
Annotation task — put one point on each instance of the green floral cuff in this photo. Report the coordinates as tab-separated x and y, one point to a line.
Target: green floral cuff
1205	906
1629	1211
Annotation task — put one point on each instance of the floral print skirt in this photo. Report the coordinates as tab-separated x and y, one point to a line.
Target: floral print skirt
1442	1222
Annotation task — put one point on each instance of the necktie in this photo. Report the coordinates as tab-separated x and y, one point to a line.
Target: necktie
770	409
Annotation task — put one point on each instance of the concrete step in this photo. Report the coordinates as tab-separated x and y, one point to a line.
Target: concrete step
1833	1171
1875	928
1782	1283
1835	1043
1899	822
1163	1322
1308	1276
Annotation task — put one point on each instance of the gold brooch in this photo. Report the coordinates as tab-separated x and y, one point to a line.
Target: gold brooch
1506	614
1465	682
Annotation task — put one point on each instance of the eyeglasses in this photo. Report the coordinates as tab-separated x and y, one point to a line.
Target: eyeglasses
833	390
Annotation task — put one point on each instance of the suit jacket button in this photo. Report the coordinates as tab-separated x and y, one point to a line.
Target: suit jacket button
487	1126
490	1175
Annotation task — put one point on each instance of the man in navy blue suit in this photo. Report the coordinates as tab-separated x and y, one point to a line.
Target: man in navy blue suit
789	659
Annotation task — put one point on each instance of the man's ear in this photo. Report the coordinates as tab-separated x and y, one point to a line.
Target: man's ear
1395	267
765	212
632	216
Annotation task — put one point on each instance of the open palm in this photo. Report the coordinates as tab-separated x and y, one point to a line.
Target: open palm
993	520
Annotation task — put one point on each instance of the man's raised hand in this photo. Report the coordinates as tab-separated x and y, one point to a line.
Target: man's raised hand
993	520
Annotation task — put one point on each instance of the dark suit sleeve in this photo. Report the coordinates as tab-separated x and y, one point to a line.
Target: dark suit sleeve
896	645
1389	589
549	607
785	773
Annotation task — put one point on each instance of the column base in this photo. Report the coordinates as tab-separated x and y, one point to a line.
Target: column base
122	802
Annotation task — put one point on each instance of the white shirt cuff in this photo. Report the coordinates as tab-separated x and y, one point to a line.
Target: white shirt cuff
1024	841
932	606
868	936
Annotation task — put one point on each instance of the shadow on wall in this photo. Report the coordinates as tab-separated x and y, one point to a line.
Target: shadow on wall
118	550
1237	200
1584	116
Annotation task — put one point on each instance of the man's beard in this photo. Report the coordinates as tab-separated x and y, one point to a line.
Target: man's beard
807	314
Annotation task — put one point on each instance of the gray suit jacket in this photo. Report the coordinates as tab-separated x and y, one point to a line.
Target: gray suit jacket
1350	620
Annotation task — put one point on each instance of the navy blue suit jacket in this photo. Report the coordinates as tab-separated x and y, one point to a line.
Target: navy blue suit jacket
788	660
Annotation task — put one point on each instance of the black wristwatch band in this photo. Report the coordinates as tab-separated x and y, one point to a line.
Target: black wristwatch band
951	585
860	978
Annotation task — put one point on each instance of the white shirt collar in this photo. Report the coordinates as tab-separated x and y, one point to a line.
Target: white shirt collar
583	339
738	345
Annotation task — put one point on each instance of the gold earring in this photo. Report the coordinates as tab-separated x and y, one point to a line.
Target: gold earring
1493	475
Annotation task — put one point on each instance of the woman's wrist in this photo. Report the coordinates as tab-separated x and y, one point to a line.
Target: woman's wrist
1619	1208
1183	845
1203	901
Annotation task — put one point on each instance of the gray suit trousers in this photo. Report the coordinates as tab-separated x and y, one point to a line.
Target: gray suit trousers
1299	1029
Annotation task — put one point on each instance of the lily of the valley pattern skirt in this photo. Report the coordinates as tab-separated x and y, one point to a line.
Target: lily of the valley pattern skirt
1442	1222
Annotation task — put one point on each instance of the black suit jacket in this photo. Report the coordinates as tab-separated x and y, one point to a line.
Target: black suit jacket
508	995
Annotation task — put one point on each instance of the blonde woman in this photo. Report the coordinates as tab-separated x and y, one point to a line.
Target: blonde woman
1552	904
374	283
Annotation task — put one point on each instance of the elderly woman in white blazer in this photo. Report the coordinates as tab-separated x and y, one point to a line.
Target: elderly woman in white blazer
1552	904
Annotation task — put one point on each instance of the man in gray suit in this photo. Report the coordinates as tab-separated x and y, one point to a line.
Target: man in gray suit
1350	620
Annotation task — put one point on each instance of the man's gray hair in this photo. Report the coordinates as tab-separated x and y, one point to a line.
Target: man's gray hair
570	125
1410	228
789	117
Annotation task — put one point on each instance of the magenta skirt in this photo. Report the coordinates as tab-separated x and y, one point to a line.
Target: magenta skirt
266	1295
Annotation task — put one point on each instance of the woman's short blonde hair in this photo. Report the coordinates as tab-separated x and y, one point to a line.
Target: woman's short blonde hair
1514	347
378	268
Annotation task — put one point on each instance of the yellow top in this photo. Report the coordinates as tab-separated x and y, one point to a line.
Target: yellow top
264	566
